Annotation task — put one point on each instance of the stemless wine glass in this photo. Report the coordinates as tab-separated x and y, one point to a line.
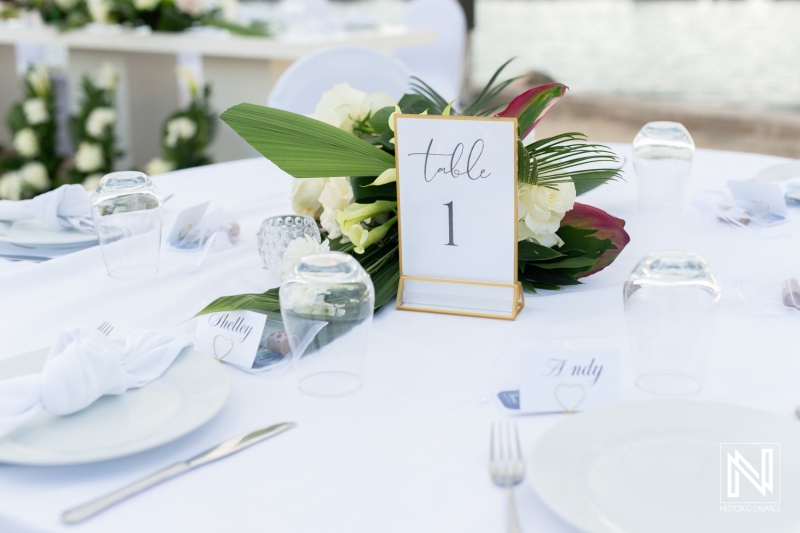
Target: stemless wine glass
126	207
662	161
670	305
327	303
277	232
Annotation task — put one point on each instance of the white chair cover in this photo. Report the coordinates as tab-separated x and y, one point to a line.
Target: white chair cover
301	86
441	64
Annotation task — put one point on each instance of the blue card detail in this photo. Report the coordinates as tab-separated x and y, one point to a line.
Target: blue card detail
509	399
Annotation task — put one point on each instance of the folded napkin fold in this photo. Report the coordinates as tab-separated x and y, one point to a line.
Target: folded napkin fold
82	366
67	207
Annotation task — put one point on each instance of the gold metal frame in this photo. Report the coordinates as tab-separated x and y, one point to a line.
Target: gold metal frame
519	299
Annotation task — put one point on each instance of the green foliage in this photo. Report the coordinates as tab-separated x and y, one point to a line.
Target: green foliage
304	147
43	131
94	97
191	152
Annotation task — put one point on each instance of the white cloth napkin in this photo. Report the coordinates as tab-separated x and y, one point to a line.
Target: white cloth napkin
82	366
67	207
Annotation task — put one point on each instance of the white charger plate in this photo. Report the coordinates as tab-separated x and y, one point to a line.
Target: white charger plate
655	467
187	396
37	234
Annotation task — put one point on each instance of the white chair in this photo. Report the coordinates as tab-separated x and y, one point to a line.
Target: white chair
441	64
301	86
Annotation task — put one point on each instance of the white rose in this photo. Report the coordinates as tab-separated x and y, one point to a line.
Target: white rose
98	120
91	181
305	195
35	175
39	80
106	78
100	10
541	208
181	128
25	143
66	5
10	186
298	249
340	107
159	166
145	5
89	157
374	102
336	195
35	111
194	8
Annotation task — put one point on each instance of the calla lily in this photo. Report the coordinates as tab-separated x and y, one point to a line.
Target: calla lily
608	227
355	213
363	239
387	176
532	105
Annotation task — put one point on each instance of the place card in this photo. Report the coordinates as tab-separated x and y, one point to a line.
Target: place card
457	207
764	200
187	220
567	381
231	336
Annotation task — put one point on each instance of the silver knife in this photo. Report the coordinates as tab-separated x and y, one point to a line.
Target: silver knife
87	510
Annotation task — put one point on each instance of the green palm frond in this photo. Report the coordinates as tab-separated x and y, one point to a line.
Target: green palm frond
489	92
568	157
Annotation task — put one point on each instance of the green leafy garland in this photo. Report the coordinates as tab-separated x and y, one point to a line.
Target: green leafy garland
186	134
92	129
307	148
32	166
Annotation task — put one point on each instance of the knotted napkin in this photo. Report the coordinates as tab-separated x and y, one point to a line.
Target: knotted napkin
67	207
82	366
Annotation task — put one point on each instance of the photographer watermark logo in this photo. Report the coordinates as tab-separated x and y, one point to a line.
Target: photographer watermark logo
750	476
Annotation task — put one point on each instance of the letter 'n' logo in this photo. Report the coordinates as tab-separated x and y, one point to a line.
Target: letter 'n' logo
748	472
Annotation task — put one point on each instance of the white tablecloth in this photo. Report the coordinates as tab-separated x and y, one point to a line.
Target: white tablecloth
408	452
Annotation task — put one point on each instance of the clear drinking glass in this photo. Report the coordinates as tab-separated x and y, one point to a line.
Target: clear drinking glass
327	303
277	232
662	161
671	300
126	207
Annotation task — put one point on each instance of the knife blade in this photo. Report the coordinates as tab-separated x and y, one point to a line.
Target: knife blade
229	447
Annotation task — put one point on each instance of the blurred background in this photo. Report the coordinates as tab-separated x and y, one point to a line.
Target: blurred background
726	69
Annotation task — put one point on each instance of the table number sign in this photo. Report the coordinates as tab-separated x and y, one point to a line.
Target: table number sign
457	205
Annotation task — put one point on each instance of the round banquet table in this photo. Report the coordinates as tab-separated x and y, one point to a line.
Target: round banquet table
409	451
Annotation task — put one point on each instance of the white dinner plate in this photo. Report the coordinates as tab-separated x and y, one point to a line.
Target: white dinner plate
658	467
37	234
189	394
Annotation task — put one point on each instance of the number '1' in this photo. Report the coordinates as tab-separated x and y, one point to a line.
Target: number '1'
450	219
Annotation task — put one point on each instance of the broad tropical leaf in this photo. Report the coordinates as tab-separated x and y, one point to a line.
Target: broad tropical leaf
305	147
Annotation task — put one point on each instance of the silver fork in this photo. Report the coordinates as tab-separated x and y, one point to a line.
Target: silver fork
105	328
506	466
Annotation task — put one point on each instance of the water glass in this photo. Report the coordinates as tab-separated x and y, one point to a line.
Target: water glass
662	161
126	207
277	232
327	303
671	300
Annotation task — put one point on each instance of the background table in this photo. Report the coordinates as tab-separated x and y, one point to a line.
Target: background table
409	451
239	69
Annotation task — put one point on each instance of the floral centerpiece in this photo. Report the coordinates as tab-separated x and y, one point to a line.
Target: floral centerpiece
33	164
159	15
344	165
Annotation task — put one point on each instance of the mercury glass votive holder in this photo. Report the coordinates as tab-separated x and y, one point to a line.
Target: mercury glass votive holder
277	232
